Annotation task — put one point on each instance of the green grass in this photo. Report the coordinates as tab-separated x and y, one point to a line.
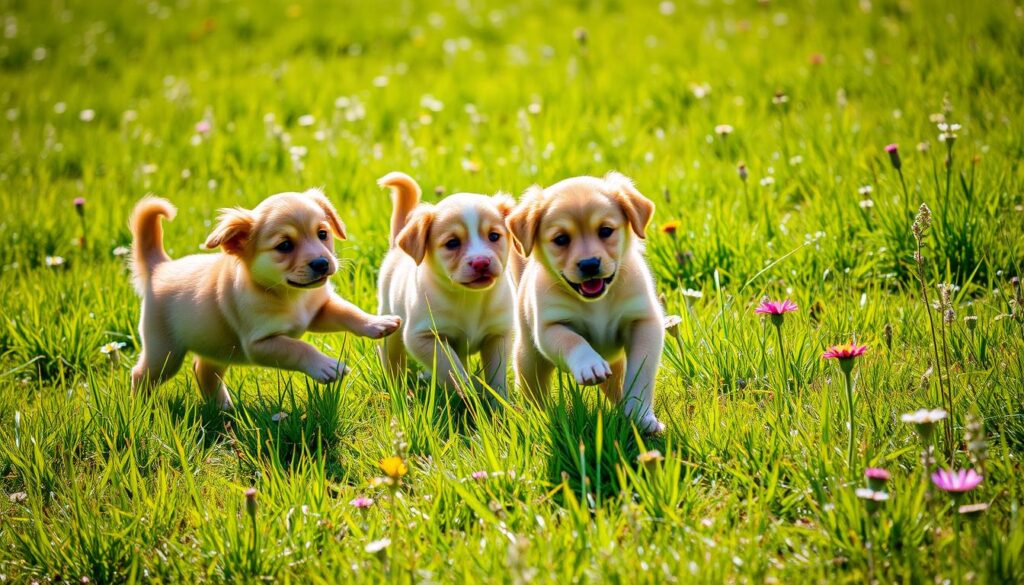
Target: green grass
479	96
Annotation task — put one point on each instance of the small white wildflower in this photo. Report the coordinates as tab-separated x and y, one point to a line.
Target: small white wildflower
54	261
767	181
111	347
867	203
723	129
307	120
667	8
122	251
866	190
924	416
431	103
59	108
87	115
380	81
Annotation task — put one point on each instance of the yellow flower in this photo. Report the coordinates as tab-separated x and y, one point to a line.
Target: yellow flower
670	227
394	467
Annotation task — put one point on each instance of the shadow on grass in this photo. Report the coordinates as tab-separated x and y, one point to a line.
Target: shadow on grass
590	440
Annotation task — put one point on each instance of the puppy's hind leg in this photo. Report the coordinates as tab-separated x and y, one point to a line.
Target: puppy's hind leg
160	357
155	366
394	357
494	353
533	372
210	376
612	387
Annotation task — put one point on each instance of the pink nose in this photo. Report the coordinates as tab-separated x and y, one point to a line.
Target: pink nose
480	263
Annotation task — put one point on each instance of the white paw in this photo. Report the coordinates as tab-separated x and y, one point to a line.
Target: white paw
382	326
587	367
650	425
326	370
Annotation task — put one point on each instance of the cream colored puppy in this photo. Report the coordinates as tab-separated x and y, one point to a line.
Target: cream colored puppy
249	304
586	298
445	277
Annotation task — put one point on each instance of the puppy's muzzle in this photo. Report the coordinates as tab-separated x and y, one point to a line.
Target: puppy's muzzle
320	266
319	269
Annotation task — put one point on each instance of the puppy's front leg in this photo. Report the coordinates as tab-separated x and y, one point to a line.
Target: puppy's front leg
430	350
280	351
337	314
645	340
494	353
573	353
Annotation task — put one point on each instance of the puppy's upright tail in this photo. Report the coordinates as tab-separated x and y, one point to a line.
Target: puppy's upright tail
148	237
406	196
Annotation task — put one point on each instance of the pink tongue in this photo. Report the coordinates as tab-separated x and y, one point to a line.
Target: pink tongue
592	287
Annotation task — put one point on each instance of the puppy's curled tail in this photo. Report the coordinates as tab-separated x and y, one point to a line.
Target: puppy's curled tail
406	195
148	237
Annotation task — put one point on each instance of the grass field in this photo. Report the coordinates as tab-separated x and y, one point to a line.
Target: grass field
214	104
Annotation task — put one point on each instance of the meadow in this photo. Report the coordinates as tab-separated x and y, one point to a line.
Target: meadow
760	130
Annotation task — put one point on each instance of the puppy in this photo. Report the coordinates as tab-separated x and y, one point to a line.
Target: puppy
586	299
249	304
445	277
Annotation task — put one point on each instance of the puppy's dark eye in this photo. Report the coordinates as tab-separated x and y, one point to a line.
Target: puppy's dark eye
322	234
494	236
561	240
285	247
452	244
605	232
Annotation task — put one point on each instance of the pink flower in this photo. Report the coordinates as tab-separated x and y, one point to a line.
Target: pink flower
845	351
203	127
79	201
876	473
877	478
480	475
362	502
956	482
776	307
894	156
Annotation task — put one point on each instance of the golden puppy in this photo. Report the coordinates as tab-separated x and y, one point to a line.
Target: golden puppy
249	304
586	298
445	277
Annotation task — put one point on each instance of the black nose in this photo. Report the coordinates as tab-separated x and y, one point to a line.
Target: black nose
319	265
589	266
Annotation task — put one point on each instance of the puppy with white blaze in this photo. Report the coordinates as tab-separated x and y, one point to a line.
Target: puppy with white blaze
249	304
445	277
586	298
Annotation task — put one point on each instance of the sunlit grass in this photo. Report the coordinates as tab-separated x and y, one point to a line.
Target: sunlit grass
760	131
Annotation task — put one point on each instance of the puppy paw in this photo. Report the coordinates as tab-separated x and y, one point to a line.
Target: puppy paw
587	367
326	370
382	326
650	425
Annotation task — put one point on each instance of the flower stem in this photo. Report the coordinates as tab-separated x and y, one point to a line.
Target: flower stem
906	195
783	381
957	578
849	400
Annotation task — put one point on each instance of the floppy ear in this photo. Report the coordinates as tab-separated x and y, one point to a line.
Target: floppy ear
337	226
524	220
638	209
233	230
413	237
505	203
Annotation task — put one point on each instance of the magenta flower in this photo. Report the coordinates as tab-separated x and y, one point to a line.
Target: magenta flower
956	482
877	473
776	307
894	156
845	351
79	202
362	502
877	477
